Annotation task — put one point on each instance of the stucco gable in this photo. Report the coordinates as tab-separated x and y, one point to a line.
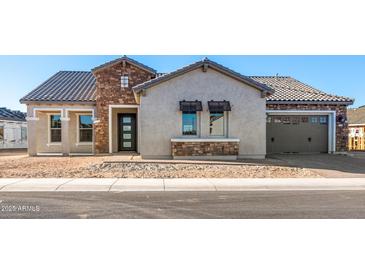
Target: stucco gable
205	65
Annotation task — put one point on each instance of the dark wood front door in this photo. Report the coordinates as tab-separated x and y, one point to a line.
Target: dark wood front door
127	132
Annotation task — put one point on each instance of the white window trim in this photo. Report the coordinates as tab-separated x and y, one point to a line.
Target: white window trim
79	143
49	130
182	140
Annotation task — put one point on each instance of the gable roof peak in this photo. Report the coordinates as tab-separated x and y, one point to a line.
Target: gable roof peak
208	63
126	59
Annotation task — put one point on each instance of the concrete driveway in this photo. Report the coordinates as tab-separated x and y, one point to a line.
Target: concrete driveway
326	165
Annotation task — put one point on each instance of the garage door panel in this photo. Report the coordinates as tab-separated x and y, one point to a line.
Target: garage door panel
301	135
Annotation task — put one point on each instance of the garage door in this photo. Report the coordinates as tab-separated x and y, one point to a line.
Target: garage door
297	134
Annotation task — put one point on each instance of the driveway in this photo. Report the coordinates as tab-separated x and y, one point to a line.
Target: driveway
326	165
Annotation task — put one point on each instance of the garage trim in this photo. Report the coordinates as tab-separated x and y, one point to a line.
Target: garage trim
331	122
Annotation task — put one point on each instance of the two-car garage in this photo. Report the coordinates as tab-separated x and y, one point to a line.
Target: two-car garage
300	133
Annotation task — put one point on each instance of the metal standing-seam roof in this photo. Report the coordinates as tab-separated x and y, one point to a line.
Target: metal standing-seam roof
65	86
288	89
12	115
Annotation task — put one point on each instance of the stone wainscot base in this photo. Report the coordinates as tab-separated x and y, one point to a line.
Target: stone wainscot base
219	149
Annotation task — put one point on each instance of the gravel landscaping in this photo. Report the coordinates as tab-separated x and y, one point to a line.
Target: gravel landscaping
102	167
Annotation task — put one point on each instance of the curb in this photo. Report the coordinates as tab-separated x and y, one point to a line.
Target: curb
178	184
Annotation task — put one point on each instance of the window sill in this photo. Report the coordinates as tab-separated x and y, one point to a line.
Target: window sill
84	144
219	139
54	144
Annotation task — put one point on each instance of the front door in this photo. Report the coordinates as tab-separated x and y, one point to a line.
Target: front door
127	132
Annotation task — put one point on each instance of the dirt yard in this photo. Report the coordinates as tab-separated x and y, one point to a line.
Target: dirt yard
106	167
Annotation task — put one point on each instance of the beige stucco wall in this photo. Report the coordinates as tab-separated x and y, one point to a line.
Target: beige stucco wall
160	118
38	130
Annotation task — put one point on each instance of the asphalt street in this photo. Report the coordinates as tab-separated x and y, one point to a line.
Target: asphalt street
200	205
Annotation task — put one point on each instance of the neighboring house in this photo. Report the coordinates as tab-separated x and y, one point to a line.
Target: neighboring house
203	110
13	129
356	119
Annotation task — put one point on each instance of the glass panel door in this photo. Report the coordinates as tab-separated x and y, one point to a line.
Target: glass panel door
127	132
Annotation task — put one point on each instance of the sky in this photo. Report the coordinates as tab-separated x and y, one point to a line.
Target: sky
340	75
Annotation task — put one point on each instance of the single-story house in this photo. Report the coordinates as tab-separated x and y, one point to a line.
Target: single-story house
203	110
356	120
13	129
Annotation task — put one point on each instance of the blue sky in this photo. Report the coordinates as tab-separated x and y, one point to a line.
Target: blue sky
341	75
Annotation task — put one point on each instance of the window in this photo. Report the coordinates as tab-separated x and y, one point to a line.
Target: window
277	120
124	81
55	129
85	128
1	134
305	119
323	120
314	119
295	120
286	120
189	123
23	134
216	126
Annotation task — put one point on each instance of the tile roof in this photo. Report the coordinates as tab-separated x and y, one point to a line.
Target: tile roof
65	86
356	115
288	89
127	59
12	115
208	63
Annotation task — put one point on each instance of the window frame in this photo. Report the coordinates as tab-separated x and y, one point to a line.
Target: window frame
49	116
78	129
224	124
124	81
196	124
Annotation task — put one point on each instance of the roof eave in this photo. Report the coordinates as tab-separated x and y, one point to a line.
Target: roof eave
57	102
303	102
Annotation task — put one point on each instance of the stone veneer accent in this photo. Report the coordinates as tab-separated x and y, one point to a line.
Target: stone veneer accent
341	111
204	148
110	92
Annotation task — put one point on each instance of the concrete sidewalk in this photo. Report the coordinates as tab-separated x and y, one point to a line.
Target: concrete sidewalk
199	184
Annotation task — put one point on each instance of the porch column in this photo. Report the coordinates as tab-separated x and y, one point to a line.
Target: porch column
65	133
32	123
